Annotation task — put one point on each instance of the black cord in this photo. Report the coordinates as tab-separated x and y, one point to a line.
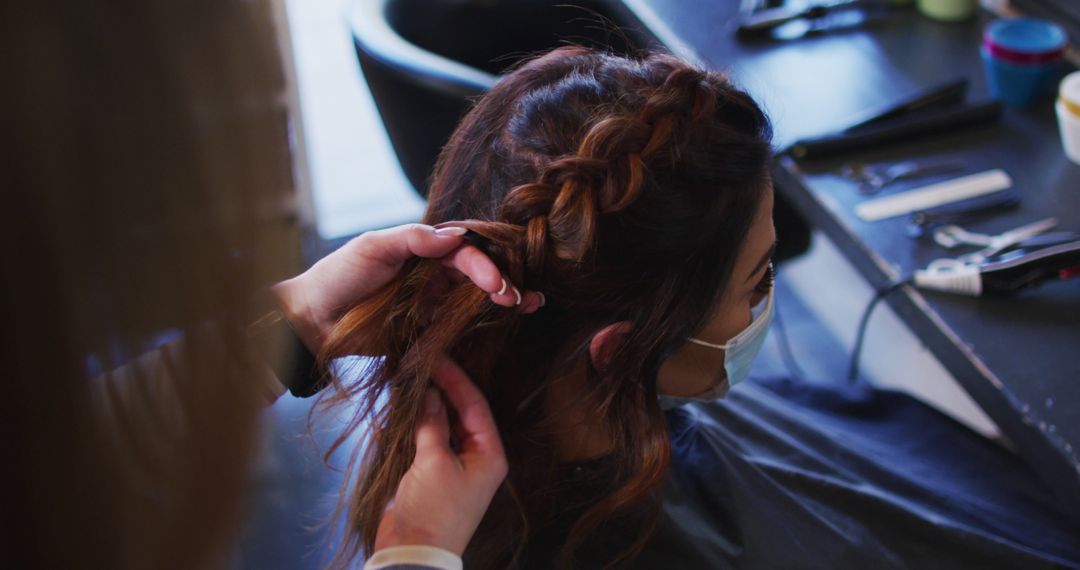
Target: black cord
860	334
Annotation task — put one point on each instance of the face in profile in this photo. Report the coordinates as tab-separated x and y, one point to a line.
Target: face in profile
694	368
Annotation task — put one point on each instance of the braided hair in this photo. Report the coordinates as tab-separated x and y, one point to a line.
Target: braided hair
623	190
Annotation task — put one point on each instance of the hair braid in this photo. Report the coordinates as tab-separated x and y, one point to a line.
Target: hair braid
606	174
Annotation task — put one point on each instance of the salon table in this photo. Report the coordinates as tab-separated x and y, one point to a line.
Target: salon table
1018	358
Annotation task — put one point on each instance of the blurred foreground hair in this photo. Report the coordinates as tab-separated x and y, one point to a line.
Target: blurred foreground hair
146	167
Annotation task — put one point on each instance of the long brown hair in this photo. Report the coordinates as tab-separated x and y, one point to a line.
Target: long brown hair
622	189
146	187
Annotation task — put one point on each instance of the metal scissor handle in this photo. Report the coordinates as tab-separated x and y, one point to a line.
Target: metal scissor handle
954	236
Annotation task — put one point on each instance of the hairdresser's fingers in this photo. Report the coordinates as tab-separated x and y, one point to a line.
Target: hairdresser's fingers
470	263
531	302
482	436
478	268
394	246
433	427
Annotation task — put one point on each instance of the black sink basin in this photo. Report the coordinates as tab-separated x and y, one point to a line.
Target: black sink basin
492	35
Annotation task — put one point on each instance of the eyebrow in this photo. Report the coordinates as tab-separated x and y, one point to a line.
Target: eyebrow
764	260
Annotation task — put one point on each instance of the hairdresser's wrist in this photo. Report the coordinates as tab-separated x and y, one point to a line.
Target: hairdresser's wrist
393	534
292	299
413	556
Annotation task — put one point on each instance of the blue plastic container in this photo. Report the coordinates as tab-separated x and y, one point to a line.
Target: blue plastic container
1020	84
1023	59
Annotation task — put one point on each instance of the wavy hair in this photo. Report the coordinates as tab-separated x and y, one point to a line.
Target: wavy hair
623	190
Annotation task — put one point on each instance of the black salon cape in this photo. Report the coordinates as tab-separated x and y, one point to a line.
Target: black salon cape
785	474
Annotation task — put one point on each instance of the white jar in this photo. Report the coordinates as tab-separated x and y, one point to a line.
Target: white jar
1068	113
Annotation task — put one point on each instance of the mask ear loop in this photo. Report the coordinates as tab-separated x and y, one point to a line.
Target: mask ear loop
731	343
724	346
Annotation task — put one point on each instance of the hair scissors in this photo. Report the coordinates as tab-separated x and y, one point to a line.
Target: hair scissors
953	236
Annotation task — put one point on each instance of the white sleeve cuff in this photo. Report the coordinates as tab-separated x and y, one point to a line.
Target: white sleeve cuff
414	554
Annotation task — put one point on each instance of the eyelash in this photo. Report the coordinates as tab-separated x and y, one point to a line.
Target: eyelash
766	282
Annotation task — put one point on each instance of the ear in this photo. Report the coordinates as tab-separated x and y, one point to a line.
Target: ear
605	343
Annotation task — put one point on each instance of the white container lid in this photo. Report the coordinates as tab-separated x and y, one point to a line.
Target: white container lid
1069	92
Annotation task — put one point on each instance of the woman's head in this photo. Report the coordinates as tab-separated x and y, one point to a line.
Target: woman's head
622	189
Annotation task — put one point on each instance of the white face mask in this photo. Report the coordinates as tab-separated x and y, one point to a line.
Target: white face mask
739	352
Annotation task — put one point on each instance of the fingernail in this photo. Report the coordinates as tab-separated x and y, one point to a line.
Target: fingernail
543	299
451	231
503	288
518	295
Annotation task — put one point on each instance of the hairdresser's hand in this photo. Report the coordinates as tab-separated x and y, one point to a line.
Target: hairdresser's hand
317	298
444	494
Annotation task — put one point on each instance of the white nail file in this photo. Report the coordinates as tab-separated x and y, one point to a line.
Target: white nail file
934	195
